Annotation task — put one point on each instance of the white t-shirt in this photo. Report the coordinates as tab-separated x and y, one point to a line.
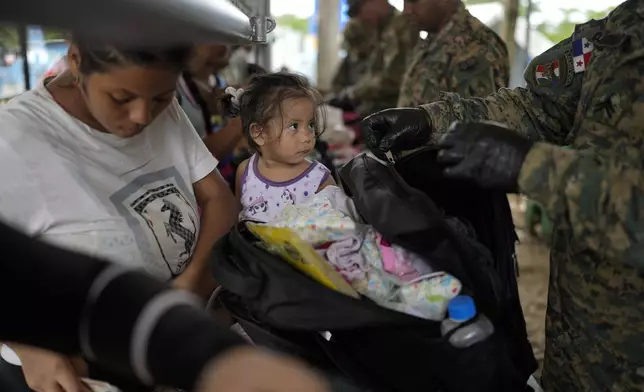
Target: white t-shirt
126	200
130	201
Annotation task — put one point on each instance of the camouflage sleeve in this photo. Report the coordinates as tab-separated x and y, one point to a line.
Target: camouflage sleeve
385	82
602	198
341	77
479	71
474	78
544	110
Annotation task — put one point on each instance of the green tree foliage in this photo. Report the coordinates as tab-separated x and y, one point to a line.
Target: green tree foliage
555	32
560	31
292	22
53	34
8	36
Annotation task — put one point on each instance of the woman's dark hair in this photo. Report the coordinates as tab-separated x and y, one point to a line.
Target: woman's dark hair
100	57
262	101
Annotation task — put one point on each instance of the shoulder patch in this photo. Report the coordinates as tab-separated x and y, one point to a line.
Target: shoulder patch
569	70
582	51
559	71
553	73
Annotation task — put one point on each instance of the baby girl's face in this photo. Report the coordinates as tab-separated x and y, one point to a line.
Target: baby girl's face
291	136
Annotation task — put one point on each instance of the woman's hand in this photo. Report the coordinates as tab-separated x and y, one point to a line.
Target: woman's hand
197	281
249	369
46	371
223	142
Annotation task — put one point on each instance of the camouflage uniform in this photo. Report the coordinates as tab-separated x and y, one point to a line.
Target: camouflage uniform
358	42
378	88
595	193
465	57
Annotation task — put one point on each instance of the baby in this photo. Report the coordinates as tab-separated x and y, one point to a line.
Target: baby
279	118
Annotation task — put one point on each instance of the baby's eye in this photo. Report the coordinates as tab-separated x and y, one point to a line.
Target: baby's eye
312	125
293	127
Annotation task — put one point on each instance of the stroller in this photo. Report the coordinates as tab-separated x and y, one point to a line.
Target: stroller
464	231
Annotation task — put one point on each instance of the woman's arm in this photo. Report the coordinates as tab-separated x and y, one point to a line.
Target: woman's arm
239	178
219	211
327	182
223	142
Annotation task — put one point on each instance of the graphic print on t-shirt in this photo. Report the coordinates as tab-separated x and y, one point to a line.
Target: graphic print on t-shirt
161	212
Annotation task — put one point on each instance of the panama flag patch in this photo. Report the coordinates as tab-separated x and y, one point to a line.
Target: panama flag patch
582	51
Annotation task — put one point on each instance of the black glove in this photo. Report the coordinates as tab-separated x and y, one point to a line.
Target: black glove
490	155
396	130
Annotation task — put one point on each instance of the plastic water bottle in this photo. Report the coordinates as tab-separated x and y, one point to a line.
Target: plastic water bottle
459	310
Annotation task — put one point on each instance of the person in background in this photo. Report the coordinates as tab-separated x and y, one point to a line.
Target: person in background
586	93
394	38
460	54
200	91
102	159
279	113
237	72
358	42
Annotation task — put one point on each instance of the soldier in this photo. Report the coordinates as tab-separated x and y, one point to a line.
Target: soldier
394	39
586	92
358	42
460	54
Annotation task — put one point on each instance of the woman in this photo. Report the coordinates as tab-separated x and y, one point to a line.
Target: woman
200	91
102	159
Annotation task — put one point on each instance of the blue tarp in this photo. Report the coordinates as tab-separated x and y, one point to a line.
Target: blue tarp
313	20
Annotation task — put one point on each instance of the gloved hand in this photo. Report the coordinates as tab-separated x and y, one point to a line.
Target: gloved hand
488	154
396	130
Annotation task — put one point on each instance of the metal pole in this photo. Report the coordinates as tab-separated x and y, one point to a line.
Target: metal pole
528	32
328	41
142	22
22	41
263	52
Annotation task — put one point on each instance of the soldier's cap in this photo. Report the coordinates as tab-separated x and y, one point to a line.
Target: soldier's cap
354	7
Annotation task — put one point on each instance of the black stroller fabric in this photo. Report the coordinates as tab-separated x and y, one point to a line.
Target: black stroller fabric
462	230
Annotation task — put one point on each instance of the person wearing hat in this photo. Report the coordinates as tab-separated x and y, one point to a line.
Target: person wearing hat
394	38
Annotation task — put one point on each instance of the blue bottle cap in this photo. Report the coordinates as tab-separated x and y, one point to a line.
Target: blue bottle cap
461	308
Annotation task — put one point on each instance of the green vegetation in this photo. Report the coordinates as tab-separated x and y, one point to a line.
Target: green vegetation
300	25
9	35
559	32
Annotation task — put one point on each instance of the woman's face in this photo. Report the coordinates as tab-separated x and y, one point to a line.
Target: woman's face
126	99
209	58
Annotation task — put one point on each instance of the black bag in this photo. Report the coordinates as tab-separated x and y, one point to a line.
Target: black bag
462	230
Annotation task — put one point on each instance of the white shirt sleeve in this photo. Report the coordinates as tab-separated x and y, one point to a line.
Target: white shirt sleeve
200	160
22	201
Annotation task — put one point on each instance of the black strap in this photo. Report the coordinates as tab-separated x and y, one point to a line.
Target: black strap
203	105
